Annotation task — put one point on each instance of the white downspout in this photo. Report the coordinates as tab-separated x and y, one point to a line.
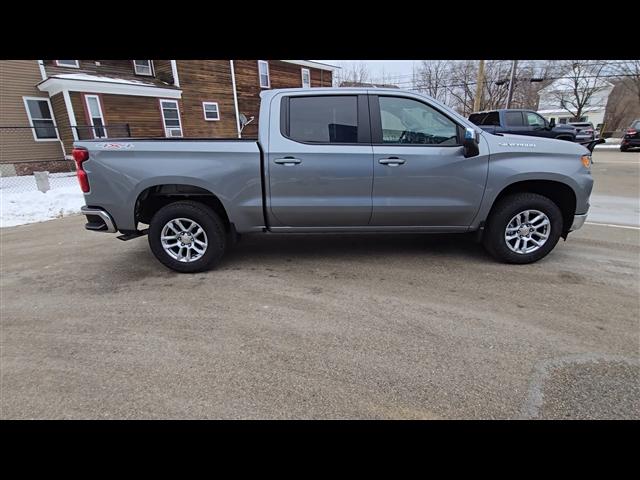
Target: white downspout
235	98
174	72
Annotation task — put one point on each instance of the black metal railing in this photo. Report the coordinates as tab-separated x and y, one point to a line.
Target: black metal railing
90	132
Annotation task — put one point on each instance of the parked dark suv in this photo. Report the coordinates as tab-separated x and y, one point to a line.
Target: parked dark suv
522	122
631	137
586	132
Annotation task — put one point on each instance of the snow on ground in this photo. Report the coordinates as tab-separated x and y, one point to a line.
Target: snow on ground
21	202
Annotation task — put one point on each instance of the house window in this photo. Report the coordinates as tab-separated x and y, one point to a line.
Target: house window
306	78
68	63
143	67
96	118
263	70
171	118
211	111
43	126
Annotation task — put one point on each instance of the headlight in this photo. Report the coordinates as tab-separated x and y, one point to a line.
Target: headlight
586	161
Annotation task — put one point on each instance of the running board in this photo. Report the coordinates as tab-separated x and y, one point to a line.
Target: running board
132	235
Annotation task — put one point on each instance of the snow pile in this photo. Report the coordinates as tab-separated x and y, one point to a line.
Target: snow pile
100	78
28	205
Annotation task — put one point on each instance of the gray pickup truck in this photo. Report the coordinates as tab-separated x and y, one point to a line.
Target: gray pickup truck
338	160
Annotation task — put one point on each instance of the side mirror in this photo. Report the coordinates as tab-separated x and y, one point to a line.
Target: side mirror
471	143
552	123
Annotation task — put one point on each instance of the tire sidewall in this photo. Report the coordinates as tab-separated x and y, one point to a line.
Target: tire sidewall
509	208
206	218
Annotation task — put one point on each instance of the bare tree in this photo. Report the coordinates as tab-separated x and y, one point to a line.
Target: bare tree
462	85
432	78
352	72
532	76
578	88
630	76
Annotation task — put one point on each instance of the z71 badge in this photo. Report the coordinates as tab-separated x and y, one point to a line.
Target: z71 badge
115	146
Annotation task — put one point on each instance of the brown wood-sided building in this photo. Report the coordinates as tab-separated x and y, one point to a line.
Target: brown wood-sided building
48	104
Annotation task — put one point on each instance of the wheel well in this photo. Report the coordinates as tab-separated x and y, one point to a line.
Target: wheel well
559	193
154	198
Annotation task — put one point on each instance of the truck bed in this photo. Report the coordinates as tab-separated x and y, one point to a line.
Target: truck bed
121	170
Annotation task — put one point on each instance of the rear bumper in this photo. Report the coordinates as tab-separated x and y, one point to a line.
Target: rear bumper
578	221
98	220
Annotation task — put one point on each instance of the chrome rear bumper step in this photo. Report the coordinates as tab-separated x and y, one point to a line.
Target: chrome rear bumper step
98	220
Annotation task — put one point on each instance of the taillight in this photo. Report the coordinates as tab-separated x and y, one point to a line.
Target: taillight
80	155
631	131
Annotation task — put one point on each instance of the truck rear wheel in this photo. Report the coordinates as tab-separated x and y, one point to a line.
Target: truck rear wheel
187	236
523	228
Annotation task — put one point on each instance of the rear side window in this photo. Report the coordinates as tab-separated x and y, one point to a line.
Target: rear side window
324	119
636	125
488	118
513	119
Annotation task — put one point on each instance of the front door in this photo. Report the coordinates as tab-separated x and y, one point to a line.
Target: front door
320	161
421	177
537	125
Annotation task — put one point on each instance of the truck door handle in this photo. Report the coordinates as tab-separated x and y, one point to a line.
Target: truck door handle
391	161
287	161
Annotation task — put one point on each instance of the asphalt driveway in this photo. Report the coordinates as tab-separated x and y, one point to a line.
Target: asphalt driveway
369	326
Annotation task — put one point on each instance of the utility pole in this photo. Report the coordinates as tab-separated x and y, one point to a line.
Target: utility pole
477	101
512	82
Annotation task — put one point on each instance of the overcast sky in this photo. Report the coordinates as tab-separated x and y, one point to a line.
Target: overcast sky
392	68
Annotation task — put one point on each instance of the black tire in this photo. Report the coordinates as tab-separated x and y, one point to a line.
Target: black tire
624	149
206	218
494	235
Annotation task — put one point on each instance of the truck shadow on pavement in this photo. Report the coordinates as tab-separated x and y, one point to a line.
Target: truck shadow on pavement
365	247
136	263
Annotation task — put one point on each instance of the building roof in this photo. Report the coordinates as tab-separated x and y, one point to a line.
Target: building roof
312	64
83	82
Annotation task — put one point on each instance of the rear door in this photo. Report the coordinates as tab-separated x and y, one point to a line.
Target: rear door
421	177
320	161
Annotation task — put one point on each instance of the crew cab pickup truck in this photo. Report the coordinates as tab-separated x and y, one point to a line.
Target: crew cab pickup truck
522	122
337	160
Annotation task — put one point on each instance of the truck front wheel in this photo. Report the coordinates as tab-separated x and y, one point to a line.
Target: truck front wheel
187	236
523	228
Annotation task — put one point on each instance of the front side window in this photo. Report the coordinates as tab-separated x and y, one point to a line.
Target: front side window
534	120
306	78
95	116
513	119
324	119
407	121
211	111
40	118
143	67
263	73
171	118
68	63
